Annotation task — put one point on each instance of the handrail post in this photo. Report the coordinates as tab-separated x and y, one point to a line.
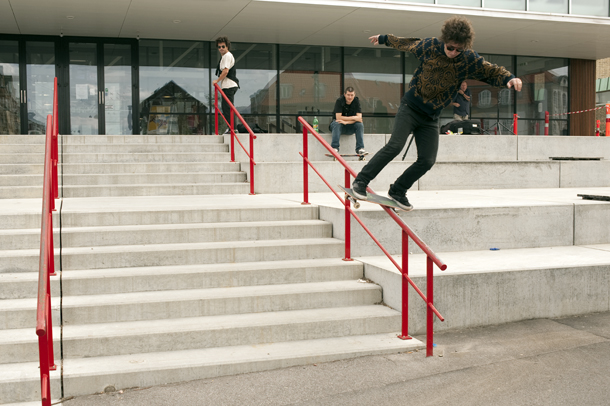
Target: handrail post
305	168
546	123
251	163
55	147
348	222
232	136
405	287
429	314
515	123
216	108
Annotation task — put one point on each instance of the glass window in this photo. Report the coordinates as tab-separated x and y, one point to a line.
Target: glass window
375	75
314	73
174	87
10	96
506	4
256	66
40	58
465	3
84	94
545	88
598	8
549	6
117	83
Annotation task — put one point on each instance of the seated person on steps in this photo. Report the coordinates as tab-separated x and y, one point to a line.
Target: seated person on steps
347	119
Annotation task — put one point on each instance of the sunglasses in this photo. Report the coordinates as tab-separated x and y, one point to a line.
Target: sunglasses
221	46
452	48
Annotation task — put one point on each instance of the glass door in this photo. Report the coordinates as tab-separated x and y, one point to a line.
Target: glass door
117	85
11	93
40	76
85	96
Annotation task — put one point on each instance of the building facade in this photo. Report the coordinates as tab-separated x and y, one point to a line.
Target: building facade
154	84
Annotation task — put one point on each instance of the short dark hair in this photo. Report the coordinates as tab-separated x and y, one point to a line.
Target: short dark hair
459	30
348	89
220	40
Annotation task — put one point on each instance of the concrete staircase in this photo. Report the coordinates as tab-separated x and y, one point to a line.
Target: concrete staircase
177	287
182	285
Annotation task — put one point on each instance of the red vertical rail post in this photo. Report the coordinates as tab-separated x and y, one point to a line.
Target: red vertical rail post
546	123
405	287
252	164
305	168
607	119
348	222
429	313
515	123
597	128
55	149
232	136
216	108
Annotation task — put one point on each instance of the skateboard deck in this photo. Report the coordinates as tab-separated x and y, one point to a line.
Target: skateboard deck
372	198
361	157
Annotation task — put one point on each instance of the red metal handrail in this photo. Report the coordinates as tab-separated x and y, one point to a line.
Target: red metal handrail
432	258
231	126
46	266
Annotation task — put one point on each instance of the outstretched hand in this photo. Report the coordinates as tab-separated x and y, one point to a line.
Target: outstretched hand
516	83
374	39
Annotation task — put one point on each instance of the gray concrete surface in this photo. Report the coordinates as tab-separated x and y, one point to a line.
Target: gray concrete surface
534	362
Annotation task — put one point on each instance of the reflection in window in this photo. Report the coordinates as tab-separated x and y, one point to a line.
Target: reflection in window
286	91
545	83
315	75
549	6
506	4
40	59
174	87
465	3
598	8
10	99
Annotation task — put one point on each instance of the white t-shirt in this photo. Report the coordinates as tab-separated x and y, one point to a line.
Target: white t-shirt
227	62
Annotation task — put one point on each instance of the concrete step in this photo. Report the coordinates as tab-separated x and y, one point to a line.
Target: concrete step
22	139
22	169
279	177
21	180
12	261
140	139
185	233
157	305
139	157
23	158
21	192
90	375
19	239
140	148
156	189
21	383
179	277
149	167
108	339
106	211
152	178
21	313
23	148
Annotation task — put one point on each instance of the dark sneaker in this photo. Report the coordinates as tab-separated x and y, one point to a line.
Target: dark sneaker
400	198
359	190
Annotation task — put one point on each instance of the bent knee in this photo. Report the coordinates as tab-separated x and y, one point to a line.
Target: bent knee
427	163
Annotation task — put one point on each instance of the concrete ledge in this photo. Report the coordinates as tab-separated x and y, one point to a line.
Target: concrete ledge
492	287
541	148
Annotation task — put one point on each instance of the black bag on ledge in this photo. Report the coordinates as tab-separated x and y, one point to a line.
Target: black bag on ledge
467	126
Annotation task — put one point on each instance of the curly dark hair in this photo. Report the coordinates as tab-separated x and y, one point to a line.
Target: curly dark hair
220	40
459	30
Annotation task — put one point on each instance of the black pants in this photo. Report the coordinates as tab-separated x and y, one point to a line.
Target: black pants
426	133
226	110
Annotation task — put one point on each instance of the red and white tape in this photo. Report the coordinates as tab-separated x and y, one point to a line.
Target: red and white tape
581	111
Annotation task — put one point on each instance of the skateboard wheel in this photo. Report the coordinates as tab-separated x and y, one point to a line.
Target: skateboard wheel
356	205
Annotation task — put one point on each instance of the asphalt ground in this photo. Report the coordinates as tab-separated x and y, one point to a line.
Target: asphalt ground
563	361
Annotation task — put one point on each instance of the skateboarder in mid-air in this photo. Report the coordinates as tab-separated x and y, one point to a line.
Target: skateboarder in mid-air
445	63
